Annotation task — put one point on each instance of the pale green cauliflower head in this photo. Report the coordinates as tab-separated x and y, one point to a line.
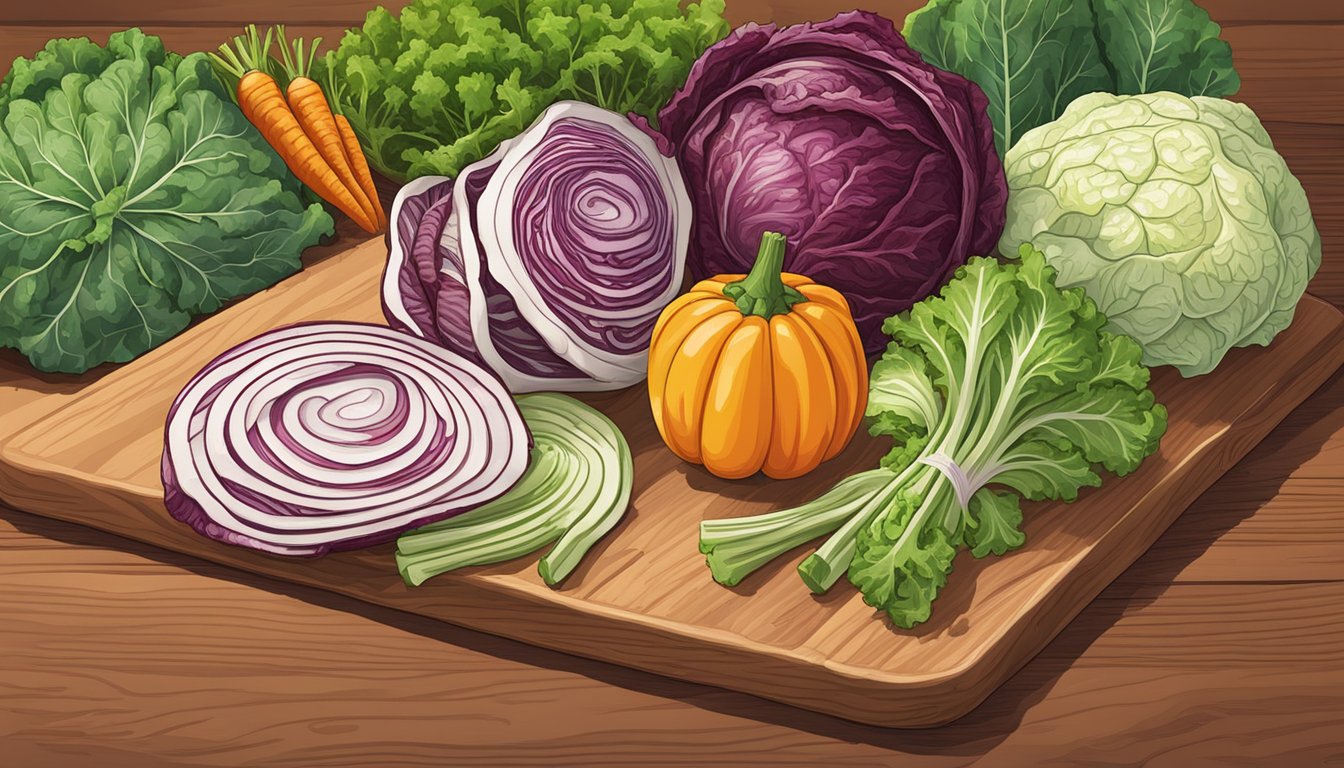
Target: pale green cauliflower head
1176	216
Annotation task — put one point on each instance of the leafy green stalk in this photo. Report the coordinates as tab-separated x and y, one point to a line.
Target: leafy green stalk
738	546
821	569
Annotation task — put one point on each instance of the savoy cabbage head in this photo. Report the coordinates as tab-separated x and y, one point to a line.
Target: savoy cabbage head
133	195
1175	214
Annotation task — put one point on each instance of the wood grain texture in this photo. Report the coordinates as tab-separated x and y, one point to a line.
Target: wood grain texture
1088	699
643	597
1275	517
202	665
212	12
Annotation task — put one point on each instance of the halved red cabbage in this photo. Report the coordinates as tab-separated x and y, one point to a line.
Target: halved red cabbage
323	436
550	260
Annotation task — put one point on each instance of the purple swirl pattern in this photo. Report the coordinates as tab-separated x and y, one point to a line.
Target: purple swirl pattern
591	227
330	436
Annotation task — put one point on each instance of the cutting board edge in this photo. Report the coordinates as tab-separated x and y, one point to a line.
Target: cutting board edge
893	705
889	694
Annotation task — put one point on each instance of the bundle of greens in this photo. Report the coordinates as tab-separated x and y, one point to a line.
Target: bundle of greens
442	84
1002	386
133	195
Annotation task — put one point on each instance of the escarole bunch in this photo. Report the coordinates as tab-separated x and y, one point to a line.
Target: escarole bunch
1002	387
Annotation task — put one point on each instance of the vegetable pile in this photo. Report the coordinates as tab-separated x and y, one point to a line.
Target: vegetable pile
1002	387
575	490
833	188
439	86
878	168
1033	57
1176	215
133	195
327	436
549	260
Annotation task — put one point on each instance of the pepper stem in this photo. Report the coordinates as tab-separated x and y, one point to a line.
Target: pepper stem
763	292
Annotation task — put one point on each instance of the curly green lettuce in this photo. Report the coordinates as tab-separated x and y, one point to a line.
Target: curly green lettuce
439	86
133	195
1003	387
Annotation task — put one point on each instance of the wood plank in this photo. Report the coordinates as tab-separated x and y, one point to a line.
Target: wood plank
1291	72
205	12
644	598
25	40
1249	532
1314	152
1325	194
1273	517
197	664
1248	12
198	13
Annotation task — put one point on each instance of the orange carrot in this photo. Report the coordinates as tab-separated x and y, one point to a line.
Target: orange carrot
360	165
313	112
263	104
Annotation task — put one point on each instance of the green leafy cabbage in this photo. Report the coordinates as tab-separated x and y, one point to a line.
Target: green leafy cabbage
1033	57
1176	216
1000	388
133	195
442	84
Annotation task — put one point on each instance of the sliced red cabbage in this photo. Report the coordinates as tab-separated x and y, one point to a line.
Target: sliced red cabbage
504	339
555	254
410	280
324	436
585	235
426	284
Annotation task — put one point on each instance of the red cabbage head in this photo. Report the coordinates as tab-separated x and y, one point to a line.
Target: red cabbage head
879	168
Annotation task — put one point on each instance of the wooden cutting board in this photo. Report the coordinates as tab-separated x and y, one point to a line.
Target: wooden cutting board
87	450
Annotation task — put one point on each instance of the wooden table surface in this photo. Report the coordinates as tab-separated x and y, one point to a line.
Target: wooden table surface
1223	645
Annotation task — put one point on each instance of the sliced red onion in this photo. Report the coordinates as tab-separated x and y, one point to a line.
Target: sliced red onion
324	436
